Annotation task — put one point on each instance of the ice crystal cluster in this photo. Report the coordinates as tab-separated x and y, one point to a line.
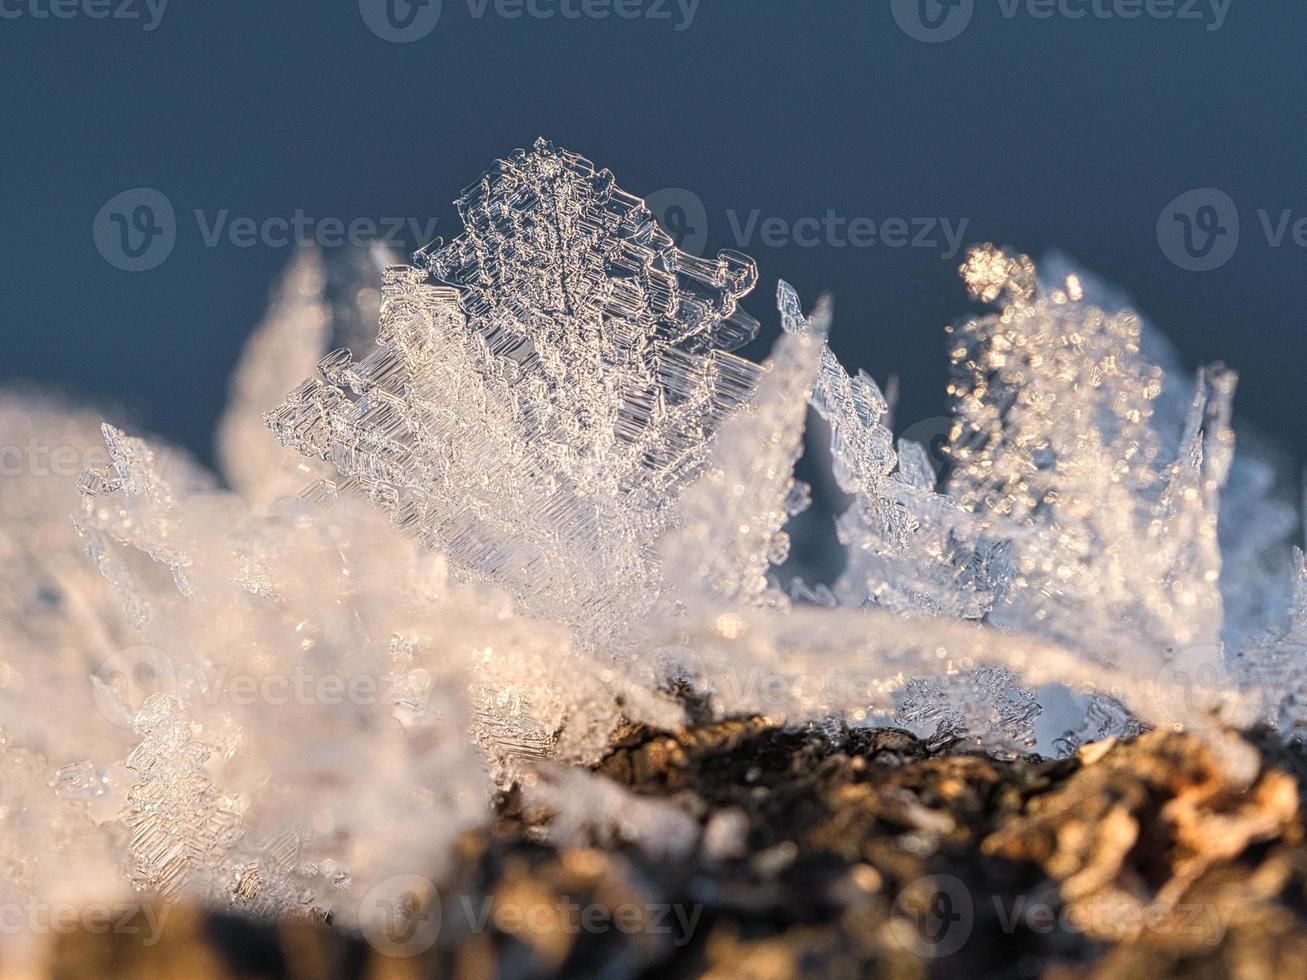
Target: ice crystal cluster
532	494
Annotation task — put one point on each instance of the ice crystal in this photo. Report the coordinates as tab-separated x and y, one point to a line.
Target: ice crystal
535	497
543	388
908	546
732	518
1273	666
321	304
1110	534
180	826
988	703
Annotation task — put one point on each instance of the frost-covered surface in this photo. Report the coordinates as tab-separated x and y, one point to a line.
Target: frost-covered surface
546	499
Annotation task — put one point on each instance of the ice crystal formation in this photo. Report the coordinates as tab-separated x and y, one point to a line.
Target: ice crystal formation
536	495
543	388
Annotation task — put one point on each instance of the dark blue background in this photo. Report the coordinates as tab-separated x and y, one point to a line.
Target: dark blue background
1058	133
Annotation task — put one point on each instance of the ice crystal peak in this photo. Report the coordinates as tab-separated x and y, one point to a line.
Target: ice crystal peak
543	388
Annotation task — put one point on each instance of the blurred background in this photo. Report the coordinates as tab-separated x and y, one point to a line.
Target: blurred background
161	159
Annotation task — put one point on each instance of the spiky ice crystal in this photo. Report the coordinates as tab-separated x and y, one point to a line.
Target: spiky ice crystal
542	389
551	500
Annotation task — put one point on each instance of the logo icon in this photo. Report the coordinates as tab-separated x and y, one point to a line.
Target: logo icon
932	21
933	916
1199	230
682	215
122	682
400	21
1195	686
932	435
401	915
674	669
136	230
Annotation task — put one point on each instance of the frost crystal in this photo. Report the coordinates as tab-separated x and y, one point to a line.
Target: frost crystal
542	390
320	305
180	827
905	552
988	703
277	700
732	517
1110	533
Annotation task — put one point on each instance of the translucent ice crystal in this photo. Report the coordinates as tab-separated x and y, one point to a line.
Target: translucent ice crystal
1109	533
988	703
732	518
1067	512
181	826
1273	666
542	389
537	498
329	665
321	303
910	549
